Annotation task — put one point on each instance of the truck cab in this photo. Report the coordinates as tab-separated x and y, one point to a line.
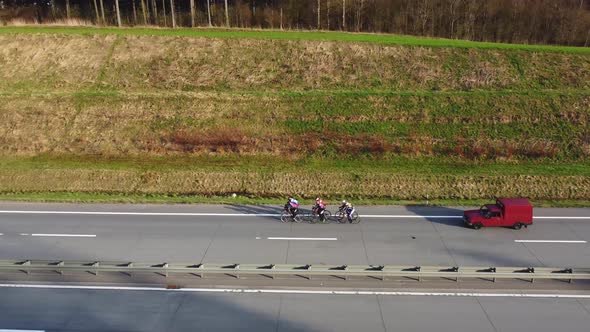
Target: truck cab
507	212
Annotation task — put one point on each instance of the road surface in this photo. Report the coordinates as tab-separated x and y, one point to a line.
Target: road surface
113	310
221	234
246	234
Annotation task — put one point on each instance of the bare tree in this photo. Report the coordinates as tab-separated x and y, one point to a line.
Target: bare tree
344	14
226	15
453	15
155	9
68	9
193	13
134	12
319	15
104	20
359	15
96	11
328	14
281	18
118	13
209	12
173	13
144	11
164	13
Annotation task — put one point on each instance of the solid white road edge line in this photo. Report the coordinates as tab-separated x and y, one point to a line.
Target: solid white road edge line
3	330
550	241
304	238
65	235
308	292
180	214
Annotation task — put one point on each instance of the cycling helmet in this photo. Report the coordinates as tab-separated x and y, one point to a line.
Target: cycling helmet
343	202
317	199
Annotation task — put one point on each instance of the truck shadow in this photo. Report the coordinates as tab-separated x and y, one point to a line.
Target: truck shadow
447	216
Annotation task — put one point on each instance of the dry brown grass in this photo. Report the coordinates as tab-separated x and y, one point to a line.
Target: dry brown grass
59	22
299	183
176	63
250	125
47	62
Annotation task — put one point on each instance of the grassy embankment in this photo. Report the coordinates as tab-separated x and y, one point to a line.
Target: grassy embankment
162	115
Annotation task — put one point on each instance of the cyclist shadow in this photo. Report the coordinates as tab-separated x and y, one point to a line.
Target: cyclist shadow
447	216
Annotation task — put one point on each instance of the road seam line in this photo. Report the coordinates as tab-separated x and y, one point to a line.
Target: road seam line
486	314
381	313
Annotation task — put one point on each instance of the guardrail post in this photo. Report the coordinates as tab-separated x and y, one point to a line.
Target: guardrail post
200	267
25	263
377	268
60	263
568	271
237	268
456	270
95	272
130	265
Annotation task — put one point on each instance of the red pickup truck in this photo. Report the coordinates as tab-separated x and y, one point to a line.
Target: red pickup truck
511	212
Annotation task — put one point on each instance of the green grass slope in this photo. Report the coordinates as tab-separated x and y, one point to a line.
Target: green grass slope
205	112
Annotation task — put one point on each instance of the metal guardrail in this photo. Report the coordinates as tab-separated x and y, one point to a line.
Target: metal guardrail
306	271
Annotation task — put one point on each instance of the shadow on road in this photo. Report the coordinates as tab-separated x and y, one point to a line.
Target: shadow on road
112	310
434	214
268	212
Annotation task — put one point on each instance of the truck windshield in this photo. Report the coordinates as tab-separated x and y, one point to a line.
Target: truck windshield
484	211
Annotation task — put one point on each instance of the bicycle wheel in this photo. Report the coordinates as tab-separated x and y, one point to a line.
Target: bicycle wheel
355	218
285	217
327	216
297	219
341	217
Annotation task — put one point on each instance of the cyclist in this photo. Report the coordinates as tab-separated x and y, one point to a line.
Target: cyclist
319	208
349	208
292	206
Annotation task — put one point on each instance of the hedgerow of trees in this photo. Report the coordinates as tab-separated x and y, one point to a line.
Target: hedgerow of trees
565	22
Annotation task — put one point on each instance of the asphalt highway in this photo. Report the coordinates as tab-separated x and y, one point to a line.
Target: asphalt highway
253	234
71	310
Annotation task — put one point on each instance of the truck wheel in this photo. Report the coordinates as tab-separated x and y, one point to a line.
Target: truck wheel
517	226
477	225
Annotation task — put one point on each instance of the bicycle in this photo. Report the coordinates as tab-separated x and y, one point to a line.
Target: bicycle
314	217
342	217
287	216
